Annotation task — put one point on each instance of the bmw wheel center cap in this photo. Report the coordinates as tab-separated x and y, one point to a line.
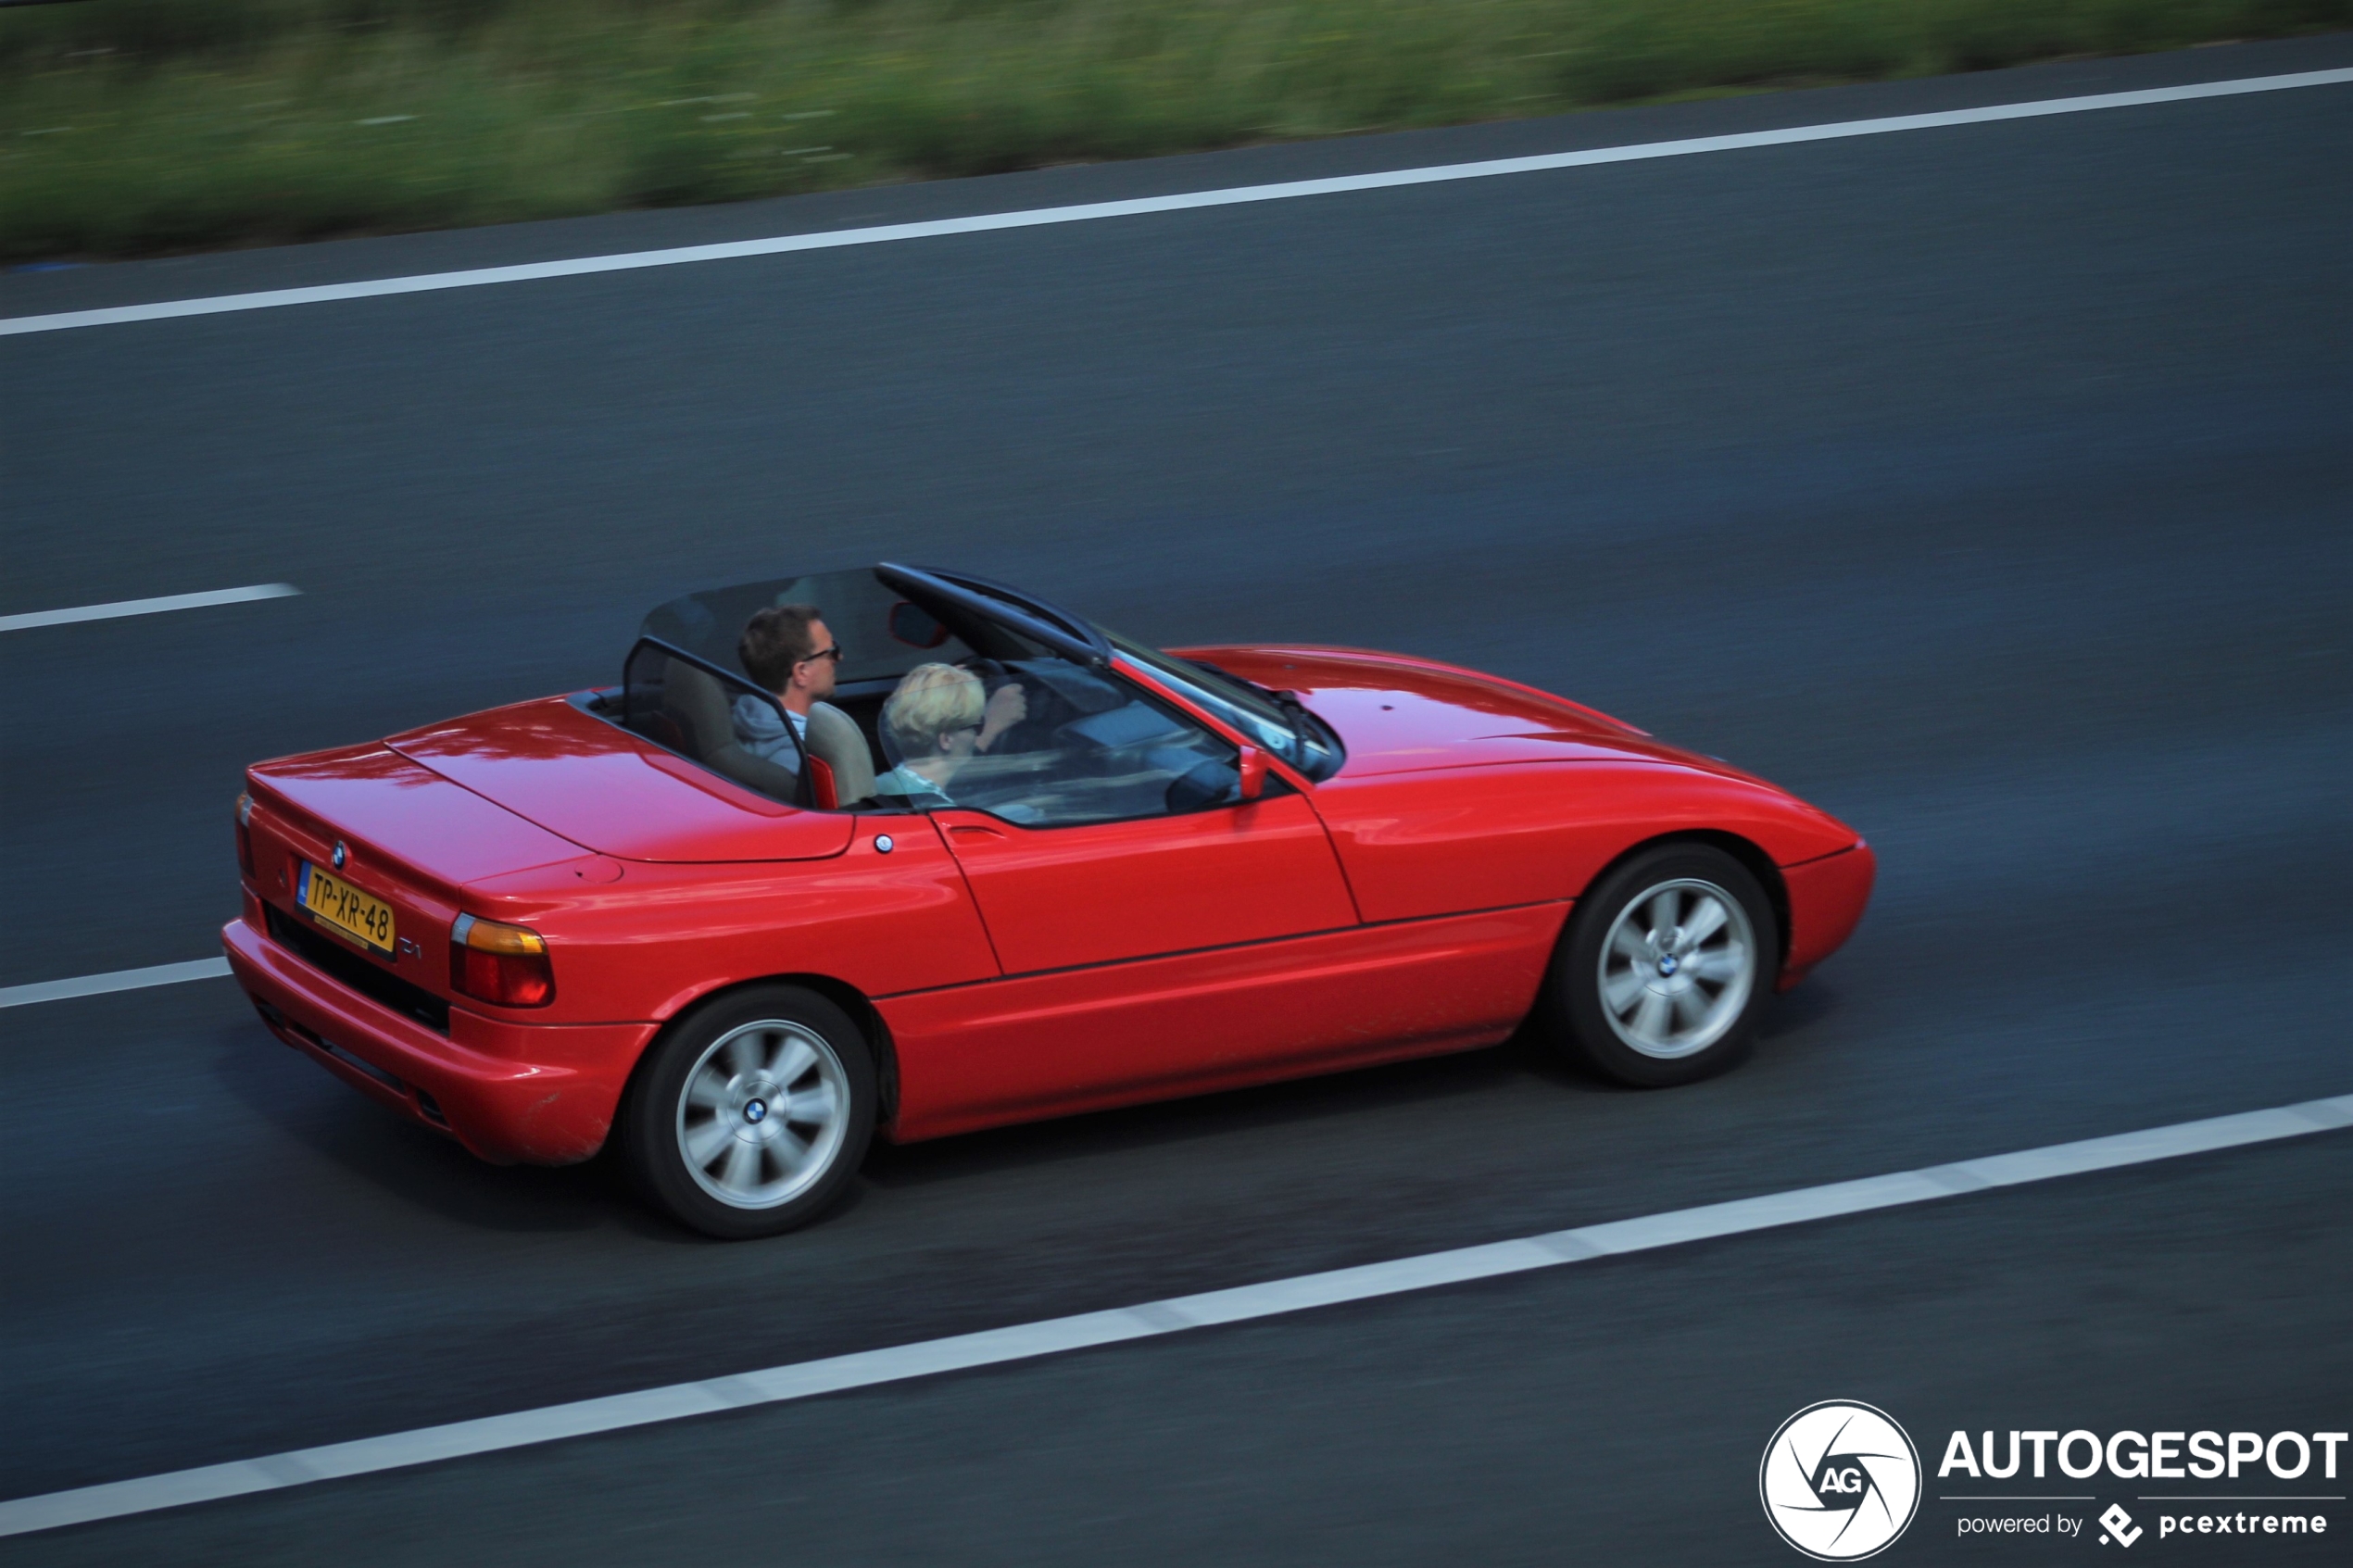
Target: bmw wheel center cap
1666	964
756	1110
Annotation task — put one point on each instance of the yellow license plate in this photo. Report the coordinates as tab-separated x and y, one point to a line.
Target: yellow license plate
355	914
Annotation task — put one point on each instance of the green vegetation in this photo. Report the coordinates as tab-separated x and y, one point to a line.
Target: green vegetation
130	127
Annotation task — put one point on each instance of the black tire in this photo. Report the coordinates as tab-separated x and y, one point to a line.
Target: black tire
1685	1010
774	1087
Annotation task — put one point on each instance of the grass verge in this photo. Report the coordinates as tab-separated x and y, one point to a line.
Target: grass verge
132	127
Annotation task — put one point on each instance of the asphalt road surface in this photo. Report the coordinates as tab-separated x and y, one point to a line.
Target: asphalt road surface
1987	485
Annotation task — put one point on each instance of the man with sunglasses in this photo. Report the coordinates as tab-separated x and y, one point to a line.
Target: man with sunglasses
789	651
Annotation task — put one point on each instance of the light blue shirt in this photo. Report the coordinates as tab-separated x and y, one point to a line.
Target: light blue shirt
918	790
925	795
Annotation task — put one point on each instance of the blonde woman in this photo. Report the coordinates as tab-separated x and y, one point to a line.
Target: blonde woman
937	719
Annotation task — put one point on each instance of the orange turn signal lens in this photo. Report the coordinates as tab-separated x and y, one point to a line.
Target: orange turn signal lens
490	936
503	964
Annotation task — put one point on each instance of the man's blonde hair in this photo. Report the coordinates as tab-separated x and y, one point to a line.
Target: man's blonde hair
934	700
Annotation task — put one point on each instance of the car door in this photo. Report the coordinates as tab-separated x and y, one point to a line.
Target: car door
1109	827
1076	895
1111	859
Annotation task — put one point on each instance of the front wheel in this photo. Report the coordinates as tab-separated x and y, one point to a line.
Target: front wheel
749	1117
1665	965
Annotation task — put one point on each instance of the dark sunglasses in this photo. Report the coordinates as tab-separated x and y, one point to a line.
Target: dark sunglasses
832	653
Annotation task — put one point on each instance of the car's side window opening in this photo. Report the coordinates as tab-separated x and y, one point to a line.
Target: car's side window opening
1044	742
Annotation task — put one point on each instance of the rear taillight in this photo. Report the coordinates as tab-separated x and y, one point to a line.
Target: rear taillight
505	964
244	834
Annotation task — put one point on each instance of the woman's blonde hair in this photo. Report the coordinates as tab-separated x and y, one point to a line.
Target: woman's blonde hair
934	700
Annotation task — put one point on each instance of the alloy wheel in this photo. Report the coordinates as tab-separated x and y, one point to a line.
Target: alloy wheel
763	1114
1676	968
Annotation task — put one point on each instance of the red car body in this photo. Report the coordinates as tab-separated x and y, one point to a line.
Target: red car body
1407	905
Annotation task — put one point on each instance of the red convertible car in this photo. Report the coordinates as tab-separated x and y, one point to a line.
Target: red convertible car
1013	865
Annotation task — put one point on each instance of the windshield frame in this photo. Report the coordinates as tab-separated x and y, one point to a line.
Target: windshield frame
1306	743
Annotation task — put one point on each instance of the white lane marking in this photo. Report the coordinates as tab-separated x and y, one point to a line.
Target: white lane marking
147	607
987	222
120	980
996	1346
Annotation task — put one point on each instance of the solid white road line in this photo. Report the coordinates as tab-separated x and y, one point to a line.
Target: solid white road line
147	607
1054	1336
985	222
120	980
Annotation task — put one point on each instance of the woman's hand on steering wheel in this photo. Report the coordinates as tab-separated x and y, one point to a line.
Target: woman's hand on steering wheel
1007	707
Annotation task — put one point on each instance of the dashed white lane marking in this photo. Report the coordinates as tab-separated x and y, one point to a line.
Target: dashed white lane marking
1026	1341
147	607
120	980
1230	197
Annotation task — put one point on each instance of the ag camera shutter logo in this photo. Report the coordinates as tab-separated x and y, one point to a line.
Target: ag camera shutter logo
1840	1481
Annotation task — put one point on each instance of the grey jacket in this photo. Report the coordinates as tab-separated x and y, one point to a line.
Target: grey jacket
759	732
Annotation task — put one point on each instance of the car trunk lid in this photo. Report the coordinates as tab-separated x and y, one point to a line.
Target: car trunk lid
598	785
405	841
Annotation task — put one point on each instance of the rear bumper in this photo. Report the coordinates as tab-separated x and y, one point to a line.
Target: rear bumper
513	1094
1826	900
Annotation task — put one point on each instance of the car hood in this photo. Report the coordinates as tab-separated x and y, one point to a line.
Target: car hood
606	789
1398	714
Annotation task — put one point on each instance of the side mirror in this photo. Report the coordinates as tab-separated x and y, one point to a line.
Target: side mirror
1251	765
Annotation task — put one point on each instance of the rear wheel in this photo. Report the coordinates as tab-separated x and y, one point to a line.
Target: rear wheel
1665	966
751	1116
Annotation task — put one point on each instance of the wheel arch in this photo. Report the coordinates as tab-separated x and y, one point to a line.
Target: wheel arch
1746	851
851	1000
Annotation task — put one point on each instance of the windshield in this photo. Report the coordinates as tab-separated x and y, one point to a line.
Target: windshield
1277	724
862	612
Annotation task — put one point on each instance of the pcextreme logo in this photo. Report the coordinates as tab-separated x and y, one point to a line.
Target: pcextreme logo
1840	1481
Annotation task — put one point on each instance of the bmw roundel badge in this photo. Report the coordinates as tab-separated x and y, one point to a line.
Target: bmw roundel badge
341	854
